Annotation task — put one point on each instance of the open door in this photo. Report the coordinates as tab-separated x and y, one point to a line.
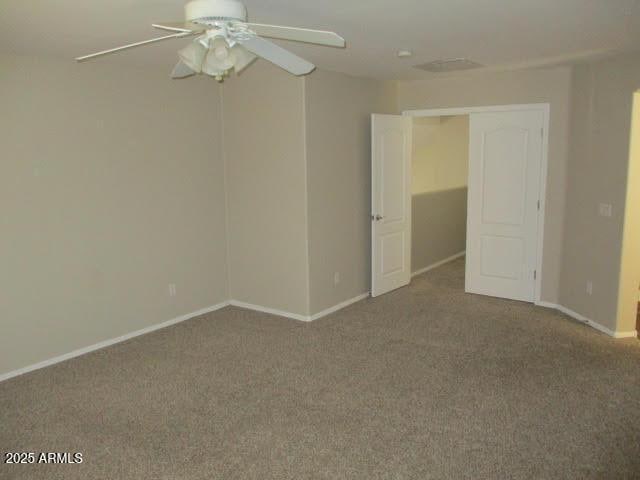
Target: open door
505	159
391	203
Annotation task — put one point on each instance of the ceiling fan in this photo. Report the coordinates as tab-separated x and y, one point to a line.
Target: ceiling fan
225	42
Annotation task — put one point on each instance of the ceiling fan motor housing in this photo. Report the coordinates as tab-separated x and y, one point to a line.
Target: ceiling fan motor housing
203	11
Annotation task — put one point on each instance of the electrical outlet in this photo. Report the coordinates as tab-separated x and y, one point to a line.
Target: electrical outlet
590	287
605	210
336	278
173	290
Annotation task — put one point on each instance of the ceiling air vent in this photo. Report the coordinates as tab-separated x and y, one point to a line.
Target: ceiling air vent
452	65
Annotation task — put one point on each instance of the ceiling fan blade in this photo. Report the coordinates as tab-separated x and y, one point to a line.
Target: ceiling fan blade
132	45
278	56
181	70
180	27
244	58
318	37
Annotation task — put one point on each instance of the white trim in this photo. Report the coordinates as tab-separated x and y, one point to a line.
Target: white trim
587	321
183	318
297	316
340	306
542	198
438	264
545	108
294	316
270	311
447	112
108	343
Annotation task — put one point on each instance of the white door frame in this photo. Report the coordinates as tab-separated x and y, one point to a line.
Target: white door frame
545	108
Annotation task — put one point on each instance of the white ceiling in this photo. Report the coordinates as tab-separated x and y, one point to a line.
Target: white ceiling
496	33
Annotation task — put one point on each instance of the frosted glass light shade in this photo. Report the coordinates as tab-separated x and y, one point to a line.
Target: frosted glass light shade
181	71
193	56
215	57
219	59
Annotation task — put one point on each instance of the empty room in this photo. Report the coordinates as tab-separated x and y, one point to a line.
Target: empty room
320	240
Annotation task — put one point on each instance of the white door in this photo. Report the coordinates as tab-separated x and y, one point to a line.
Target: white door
391	203
505	159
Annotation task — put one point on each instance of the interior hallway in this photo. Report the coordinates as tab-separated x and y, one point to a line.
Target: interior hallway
425	382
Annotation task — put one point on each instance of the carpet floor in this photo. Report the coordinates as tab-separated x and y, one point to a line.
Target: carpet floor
425	382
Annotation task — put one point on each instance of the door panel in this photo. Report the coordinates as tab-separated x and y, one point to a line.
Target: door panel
391	203
504	176
392	176
505	159
501	257
392	253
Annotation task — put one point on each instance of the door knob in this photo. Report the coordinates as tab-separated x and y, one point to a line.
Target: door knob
377	218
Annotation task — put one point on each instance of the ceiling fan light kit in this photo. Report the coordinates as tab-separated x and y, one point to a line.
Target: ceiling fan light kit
225	42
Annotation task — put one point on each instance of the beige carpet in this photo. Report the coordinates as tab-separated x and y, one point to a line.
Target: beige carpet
425	382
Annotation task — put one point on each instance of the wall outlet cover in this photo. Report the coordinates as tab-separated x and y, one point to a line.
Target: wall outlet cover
605	209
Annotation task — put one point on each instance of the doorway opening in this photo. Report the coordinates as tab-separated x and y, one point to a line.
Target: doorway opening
439	184
506	169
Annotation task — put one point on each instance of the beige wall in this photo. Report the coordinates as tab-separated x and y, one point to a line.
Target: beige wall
498	88
110	190
601	118
440	153
115	183
440	171
338	130
298	178
266	182
439	226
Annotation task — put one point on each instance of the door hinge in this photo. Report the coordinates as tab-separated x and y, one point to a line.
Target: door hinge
538	205
535	274
542	133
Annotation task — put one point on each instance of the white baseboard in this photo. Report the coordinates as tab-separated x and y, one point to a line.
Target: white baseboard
270	311
438	264
588	321
297	316
107	343
340	306
294	316
153	328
